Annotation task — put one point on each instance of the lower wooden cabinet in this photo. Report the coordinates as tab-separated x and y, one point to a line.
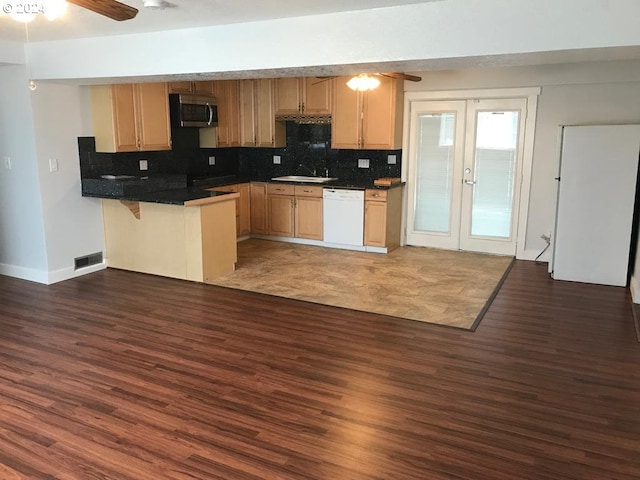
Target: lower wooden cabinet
308	212
243	206
295	211
382	218
259	222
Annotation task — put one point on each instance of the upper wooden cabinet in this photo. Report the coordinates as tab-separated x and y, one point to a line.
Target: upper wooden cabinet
227	93
308	95
198	88
367	120
131	117
258	126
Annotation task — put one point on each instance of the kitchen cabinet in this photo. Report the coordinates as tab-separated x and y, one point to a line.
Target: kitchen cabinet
306	95
259	221
227	93
295	211
196	88
243	206
131	117
367	120
258	126
382	218
280	209
308	212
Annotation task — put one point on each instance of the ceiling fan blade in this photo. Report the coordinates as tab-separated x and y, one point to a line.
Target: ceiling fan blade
109	8
402	76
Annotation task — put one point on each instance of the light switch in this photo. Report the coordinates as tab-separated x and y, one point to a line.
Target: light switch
7	163
276	159
144	165
392	159
363	163
212	160
53	164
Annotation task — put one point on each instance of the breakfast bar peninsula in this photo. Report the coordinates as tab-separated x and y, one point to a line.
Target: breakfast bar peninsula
185	233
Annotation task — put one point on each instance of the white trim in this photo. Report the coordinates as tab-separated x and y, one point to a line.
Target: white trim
47	278
496	93
531	94
634	287
31	274
69	272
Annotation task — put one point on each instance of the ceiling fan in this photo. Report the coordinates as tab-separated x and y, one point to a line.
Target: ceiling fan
109	8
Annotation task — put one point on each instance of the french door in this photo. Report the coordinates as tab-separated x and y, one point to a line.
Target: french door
465	161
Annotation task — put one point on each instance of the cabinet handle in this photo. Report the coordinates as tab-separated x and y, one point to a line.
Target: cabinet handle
302	107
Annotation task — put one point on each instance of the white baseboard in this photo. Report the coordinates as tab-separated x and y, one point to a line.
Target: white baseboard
69	272
31	274
634	286
47	278
530	254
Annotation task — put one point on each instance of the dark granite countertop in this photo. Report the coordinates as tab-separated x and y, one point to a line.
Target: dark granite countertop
177	189
174	196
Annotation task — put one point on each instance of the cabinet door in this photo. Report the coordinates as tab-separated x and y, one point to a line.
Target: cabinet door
124	117
247	113
317	96
233	124
288	96
281	216
244	210
308	218
203	88
269	133
346	117
227	96
180	87
258	206
152	105
382	116
375	224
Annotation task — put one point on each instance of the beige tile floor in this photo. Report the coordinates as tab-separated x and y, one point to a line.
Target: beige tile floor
424	284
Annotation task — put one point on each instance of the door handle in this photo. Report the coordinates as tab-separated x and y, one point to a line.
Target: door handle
470	182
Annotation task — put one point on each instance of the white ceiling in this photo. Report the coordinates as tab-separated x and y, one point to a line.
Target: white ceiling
80	23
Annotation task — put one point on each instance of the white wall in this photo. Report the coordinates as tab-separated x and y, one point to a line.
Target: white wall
480	30
72	223
22	238
604	92
11	52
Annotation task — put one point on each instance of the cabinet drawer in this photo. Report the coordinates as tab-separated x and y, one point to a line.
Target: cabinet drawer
376	195
279	189
308	191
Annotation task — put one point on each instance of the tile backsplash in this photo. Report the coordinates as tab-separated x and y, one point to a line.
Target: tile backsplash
308	149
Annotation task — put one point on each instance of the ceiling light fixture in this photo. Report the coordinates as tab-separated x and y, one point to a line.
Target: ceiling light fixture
363	82
26	12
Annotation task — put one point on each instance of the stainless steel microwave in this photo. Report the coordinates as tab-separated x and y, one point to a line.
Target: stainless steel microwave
193	110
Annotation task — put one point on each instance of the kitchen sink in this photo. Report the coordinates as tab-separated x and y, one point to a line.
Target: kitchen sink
303	179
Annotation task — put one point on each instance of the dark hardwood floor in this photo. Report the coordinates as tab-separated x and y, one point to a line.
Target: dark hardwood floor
118	375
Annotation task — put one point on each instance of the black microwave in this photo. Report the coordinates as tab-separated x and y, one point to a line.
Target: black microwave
193	110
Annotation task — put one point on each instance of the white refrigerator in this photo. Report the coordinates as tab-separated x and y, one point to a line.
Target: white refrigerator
596	197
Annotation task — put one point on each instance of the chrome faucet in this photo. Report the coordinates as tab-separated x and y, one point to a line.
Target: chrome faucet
312	172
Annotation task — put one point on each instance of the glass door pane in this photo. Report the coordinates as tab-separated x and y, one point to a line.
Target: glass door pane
435	161
495	169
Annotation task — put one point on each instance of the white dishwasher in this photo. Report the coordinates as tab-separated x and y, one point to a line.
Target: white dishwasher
343	216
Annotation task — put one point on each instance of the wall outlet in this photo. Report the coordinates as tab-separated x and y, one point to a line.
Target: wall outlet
276	159
212	160
7	163
53	165
392	159
144	165
363	163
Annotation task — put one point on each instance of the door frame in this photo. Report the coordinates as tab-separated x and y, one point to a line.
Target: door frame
530	94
